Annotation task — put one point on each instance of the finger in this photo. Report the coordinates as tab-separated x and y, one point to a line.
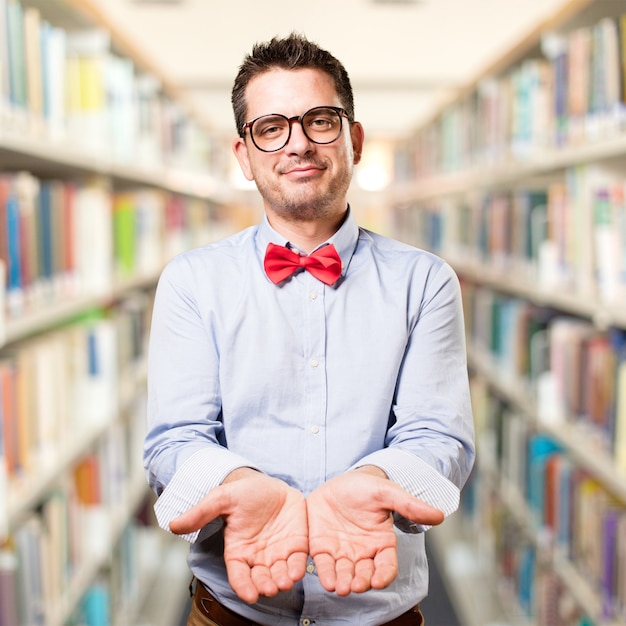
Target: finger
263	581
296	566
363	572
280	575
198	516
240	579
325	565
345	575
385	568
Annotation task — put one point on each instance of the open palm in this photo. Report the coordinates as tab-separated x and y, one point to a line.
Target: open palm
265	534
351	534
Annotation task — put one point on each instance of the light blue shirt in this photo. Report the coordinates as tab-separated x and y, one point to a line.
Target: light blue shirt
304	381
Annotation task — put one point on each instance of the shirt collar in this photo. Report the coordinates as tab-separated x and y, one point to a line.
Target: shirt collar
344	239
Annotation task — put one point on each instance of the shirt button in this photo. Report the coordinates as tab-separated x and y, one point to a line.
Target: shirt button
314	362
310	568
315	429
313	295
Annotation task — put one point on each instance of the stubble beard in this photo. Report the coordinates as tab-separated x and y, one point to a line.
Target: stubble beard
303	201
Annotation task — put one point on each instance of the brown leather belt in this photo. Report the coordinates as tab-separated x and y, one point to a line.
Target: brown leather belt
215	611
223	616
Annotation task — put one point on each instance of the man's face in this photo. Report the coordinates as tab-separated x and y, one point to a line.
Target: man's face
303	181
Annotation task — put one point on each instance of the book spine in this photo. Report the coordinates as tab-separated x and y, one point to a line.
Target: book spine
8	587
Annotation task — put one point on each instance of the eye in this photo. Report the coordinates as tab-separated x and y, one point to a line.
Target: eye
270	126
321	120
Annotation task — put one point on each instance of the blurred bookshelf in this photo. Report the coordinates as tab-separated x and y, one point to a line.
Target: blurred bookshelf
106	173
519	182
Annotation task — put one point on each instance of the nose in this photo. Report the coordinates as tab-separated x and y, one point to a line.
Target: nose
298	141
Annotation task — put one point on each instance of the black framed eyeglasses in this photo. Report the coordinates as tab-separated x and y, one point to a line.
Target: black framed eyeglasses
272	132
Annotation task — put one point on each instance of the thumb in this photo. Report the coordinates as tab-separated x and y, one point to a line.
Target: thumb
210	507
412	508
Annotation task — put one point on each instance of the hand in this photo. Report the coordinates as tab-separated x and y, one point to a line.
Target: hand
351	535
265	534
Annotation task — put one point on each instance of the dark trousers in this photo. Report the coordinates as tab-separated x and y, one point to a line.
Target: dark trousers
207	611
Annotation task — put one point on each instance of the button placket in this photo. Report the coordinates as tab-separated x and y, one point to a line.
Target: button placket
315	377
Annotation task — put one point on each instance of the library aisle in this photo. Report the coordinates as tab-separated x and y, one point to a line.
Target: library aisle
517	179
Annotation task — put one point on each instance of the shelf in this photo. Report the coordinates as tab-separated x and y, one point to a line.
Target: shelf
518	284
585	596
166	602
118	519
573	438
60	311
459	562
506	175
25	493
56	158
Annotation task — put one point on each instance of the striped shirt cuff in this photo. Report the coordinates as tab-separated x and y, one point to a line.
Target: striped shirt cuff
201	472
419	479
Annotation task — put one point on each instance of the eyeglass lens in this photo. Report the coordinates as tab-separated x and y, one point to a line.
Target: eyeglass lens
320	125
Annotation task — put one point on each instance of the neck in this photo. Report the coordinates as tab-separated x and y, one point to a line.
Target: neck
307	235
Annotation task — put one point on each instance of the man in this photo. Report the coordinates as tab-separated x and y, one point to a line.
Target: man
309	413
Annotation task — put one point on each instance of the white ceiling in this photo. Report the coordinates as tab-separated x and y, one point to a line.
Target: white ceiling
402	57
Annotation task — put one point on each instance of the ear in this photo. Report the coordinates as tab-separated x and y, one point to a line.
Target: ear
357	134
241	152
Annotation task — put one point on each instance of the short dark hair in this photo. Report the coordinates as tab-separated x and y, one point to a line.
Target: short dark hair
290	53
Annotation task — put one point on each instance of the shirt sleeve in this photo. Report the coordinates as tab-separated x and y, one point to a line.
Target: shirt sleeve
201	472
183	453
430	443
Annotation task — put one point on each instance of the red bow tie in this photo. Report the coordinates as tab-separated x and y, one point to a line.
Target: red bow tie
281	262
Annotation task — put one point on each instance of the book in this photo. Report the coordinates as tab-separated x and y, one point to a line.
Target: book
554	270
53	70
4	61
580	181
540	449
33	66
16	54
28	539
515	434
120	86
10	437
610	549
606	245
87	58
96	605
8	587
4	477
125	225
568	337
578	70
14	293
529	228
93	237
619	449
618	203
87	480
598	384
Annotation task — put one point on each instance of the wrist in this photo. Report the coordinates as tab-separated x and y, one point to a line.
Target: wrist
239	473
373	470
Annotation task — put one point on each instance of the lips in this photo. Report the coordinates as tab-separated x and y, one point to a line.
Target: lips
303	169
